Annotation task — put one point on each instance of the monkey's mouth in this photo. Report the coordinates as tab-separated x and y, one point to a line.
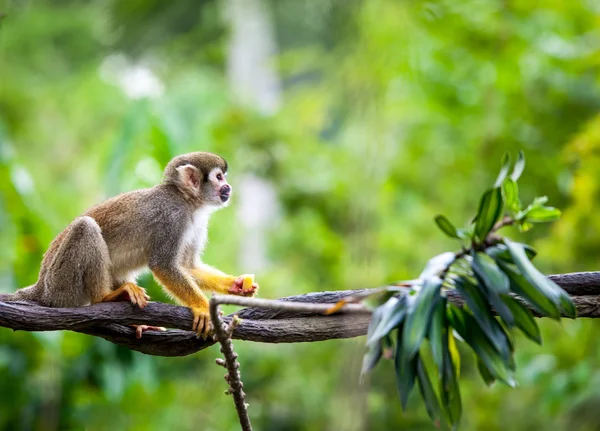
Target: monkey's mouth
224	196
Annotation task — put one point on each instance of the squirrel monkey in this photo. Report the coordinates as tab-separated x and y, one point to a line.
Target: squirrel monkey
98	257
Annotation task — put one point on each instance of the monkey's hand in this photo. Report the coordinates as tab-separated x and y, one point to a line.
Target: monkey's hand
202	324
244	285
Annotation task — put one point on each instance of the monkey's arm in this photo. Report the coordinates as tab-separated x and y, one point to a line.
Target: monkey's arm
185	290
165	263
211	279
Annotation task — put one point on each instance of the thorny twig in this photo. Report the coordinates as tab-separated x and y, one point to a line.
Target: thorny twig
222	333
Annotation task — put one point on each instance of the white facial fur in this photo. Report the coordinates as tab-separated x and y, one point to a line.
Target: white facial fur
218	179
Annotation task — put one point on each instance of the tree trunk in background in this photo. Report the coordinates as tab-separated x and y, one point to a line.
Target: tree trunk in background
256	84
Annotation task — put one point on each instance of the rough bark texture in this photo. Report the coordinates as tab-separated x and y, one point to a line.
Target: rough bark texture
110	320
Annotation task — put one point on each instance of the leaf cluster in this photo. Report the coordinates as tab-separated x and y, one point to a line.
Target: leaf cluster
496	279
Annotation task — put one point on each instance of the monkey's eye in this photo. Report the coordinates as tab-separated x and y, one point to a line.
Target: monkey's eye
220	177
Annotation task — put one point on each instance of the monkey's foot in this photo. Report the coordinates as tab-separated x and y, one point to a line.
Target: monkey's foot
202	324
244	285
129	292
139	329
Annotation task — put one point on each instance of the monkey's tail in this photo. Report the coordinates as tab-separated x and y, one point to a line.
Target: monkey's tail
27	293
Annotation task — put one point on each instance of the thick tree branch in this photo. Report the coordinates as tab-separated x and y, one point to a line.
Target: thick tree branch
110	320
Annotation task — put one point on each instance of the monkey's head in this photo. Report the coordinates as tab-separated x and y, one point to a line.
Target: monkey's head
201	177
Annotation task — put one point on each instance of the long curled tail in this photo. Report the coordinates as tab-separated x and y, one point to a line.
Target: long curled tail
27	293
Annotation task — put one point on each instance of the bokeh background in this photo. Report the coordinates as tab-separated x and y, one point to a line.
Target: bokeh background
348	125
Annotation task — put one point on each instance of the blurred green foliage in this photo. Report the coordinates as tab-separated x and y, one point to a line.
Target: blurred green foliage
392	112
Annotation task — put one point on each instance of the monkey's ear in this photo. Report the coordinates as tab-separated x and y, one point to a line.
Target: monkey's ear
189	176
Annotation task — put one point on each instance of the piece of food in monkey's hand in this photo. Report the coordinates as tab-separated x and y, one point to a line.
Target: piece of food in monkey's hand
248	282
244	285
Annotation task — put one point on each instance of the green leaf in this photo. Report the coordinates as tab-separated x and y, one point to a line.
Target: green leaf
539	211
519	166
503	170
429	396
482	312
522	287
544	285
406	368
488	378
419	315
436	330
510	192
500	251
448	379
454	353
567	306
446	227
374	351
523	319
469	329
542	214
437	264
490	210
494	283
372	357
392	314
488	271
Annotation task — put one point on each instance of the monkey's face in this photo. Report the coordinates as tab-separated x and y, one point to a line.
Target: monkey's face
216	189
201	177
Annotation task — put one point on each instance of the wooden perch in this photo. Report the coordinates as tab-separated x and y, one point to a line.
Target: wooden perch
289	320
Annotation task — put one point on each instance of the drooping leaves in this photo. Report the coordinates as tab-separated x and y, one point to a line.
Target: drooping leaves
522	287
432	404
543	284
493	283
448	379
419	315
392	313
482	314
437	330
487	272
523	319
374	350
488	378
466	326
405	367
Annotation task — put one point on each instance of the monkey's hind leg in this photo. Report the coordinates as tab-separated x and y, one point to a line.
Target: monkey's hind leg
130	291
77	272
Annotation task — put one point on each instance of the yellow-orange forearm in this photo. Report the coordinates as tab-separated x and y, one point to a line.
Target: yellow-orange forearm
211	279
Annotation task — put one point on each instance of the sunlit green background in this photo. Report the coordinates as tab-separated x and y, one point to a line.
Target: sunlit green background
350	124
